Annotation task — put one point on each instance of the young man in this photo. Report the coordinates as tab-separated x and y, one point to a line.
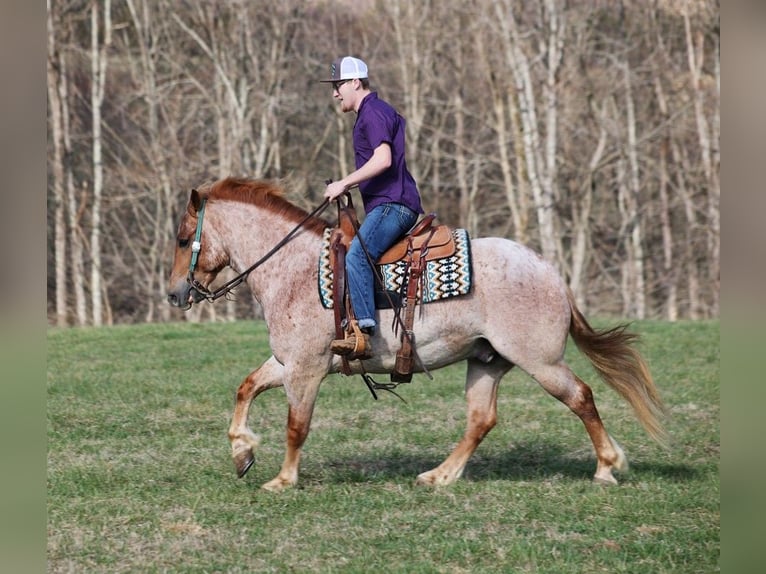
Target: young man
389	193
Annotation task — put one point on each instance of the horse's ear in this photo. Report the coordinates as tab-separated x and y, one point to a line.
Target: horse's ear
194	202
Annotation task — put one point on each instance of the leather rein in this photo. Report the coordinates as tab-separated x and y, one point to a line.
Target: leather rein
232	283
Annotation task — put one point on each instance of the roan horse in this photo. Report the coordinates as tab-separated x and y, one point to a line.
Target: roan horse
519	312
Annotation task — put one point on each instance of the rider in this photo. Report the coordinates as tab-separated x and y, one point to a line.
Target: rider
389	193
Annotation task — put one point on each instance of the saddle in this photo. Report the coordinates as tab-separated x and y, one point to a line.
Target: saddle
424	242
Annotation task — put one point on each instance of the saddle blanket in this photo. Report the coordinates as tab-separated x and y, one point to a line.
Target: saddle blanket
443	278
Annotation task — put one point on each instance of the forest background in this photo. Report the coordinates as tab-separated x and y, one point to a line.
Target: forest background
586	129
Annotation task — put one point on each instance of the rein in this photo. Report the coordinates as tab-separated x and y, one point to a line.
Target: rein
232	283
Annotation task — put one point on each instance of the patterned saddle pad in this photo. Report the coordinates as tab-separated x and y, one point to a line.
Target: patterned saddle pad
443	278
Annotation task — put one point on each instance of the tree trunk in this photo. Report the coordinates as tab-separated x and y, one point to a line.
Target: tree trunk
461	165
581	209
669	278
553	55
522	181
714	202
414	60
632	198
695	48
636	228
627	268
74	213
57	169
691	270
143	23
99	59
540	182
505	112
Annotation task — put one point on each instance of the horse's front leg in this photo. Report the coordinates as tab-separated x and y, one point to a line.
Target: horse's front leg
243	440
302	389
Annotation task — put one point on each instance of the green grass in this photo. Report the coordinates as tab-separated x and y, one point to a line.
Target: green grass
140	477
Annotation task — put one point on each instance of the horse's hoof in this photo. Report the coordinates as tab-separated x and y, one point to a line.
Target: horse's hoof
426	479
605	481
243	461
276	485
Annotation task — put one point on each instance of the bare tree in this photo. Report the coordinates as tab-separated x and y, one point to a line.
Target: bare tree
539	156
146	35
634	295
68	250
505	119
56	114
670	277
409	20
101	39
581	204
695	47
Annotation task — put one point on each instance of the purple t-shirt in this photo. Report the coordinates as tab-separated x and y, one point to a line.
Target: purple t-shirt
377	122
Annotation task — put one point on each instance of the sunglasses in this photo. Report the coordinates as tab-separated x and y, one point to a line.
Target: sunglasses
336	85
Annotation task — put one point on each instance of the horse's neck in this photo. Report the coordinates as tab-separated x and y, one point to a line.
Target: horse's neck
249	233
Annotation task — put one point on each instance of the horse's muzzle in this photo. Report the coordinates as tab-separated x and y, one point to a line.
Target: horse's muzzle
177	301
184	296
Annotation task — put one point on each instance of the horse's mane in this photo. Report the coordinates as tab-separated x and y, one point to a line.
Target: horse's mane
267	194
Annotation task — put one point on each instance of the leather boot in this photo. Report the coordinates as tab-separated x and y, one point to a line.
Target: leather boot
351	348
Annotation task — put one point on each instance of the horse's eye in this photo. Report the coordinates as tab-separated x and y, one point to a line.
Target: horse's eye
183	243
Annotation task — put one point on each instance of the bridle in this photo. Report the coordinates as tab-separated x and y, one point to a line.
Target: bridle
232	283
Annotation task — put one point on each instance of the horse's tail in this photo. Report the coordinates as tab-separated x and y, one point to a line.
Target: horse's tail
621	367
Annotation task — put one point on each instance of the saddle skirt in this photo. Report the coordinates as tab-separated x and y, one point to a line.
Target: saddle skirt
447	269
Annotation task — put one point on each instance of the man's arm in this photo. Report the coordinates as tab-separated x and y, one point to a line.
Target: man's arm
377	164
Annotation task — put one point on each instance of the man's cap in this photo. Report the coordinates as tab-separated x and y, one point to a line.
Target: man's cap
347	68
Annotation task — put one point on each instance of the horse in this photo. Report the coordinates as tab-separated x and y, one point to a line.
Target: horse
519	312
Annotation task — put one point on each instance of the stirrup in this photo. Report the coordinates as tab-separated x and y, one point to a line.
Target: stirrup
355	345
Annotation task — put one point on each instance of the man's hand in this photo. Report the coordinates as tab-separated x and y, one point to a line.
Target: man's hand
334	189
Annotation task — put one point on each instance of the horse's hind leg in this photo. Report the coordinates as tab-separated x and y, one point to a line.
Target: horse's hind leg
562	383
481	395
243	440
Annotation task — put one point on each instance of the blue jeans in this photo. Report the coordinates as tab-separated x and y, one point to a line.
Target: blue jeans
382	227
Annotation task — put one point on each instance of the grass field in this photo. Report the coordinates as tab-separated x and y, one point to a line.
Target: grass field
140	477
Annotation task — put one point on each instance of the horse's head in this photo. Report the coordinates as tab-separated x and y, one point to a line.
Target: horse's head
198	255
